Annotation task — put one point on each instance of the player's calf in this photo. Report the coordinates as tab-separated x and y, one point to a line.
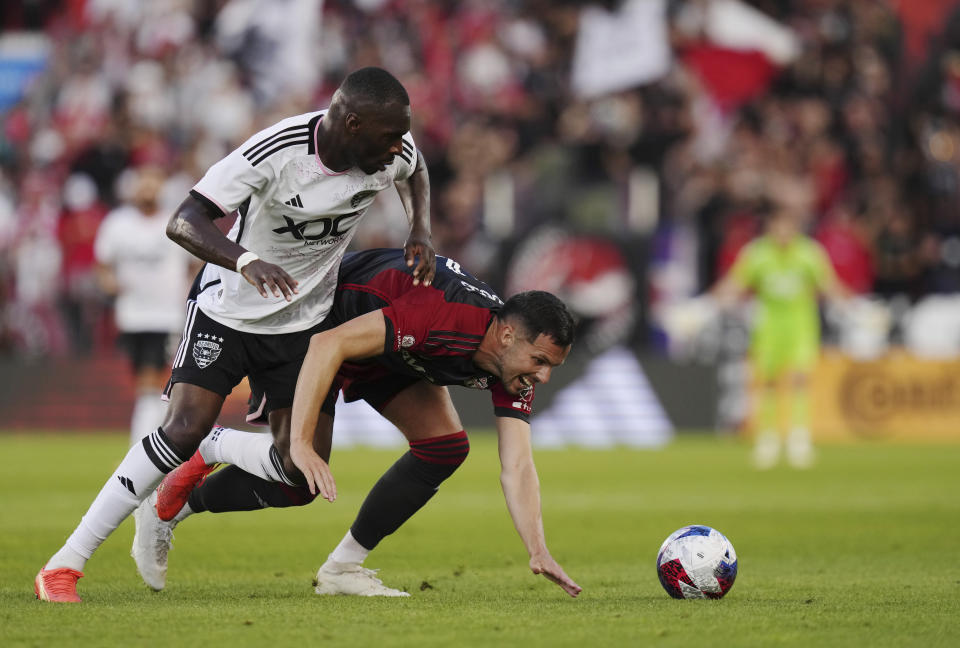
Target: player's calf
408	485
233	489
400	493
256	453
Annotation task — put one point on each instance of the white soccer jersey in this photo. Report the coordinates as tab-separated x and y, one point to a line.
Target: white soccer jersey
152	271
294	212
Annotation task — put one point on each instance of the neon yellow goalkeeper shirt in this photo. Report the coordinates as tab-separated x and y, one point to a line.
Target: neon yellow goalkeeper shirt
786	280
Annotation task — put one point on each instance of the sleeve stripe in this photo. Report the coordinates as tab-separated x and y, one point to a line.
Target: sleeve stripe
451	347
242	210
405	158
276	140
452	338
276	149
275	137
457	335
407	146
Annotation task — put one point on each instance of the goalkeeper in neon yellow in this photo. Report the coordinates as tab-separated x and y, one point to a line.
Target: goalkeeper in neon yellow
786	271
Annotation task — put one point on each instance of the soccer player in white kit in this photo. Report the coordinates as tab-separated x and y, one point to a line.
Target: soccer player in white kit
149	275
300	187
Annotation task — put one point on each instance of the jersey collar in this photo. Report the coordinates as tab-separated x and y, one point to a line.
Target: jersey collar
314	125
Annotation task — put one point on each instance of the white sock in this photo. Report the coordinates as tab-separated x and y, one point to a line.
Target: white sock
148	412
133	480
67	557
349	551
252	451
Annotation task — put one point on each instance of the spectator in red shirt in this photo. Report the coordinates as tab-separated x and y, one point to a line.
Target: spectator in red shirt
846	241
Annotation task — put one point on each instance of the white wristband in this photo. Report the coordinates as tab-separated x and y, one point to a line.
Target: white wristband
246	258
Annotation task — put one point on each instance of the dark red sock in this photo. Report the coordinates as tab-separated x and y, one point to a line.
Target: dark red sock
408	485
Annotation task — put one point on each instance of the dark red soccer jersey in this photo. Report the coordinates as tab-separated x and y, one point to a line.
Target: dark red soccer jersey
432	331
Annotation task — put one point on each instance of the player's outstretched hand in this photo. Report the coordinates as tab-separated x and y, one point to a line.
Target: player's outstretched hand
269	277
315	470
552	570
420	245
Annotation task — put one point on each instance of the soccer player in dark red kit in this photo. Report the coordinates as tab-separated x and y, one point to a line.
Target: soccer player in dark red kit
396	345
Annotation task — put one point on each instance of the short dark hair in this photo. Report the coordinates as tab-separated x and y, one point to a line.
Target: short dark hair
538	312
375	85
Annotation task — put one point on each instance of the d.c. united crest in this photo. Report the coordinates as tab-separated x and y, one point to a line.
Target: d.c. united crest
206	350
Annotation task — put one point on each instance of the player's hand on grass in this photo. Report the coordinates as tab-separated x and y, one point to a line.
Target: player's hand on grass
315	470
266	276
552	570
420	245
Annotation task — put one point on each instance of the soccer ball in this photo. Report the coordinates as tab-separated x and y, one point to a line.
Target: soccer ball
696	562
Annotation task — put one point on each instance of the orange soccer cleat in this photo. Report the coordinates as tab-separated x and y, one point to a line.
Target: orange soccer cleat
173	491
57	585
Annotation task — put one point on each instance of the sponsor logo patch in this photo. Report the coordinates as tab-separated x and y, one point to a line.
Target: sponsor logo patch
525	403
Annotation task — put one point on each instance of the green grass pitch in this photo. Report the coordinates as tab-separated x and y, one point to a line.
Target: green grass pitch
863	549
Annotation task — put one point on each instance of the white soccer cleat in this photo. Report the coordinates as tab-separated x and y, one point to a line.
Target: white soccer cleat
152	542
352	579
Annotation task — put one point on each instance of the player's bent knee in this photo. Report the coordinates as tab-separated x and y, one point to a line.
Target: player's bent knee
295	496
190	416
441	456
185	432
450	449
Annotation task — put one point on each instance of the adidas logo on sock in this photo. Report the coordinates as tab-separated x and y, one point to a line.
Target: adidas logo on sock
295	202
127	483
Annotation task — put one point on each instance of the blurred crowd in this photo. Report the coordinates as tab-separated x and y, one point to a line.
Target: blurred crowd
853	124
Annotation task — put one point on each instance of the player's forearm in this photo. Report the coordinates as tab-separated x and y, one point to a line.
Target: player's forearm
727	291
316	377
192	228
837	291
415	196
359	338
521	489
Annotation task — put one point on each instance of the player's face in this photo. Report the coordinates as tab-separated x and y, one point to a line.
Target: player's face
147	190
378	137
524	363
783	228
